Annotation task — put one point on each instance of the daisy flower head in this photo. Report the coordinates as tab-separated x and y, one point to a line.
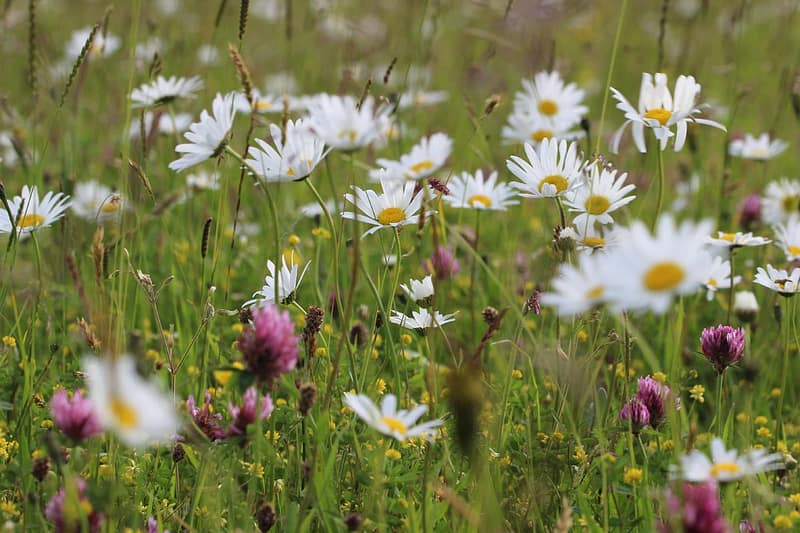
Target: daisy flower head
531	127
651	269
779	280
660	110
164	90
262	103
203	181
603	193
718	276
736	240
553	169
473	191
588	237
425	158
296	154
788	237
761	147
134	408
208	137
398	205
103	44
725	465
344	125
30	213
419	291
421	320
289	279
578	288
388	420
781	199
420	98
96	202
548	95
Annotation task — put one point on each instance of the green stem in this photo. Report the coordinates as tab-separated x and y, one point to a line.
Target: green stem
611	64
660	200
730	292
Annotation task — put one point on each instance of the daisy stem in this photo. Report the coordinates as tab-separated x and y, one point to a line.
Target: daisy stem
786	324
660	197
273	209
473	268
561	213
730	292
612	62
334	235
396	272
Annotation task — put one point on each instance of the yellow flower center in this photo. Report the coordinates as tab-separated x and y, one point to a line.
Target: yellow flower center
594	242
419	167
712	282
111	206
30	221
123	413
391	215
540	135
395	425
350	134
596	205
660	114
595	292
263	105
793	250
559	182
791	202
727	236
724	468
290	171
548	107
663	276
481	199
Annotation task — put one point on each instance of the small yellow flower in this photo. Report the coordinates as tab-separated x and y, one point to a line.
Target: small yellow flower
406	339
782	522
237	327
272	435
505	460
775	393
795	498
764	433
294	240
193	371
321	351
742	417
332	425
582	336
393	454
327	329
516	374
633	475
696	393
541	437
580	454
374	354
321	233
380	386
660	377
9	341
760	421
557	436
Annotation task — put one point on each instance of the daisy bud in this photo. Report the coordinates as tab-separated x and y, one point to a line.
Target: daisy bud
723	346
269	345
635	412
653	395
75	417
696	508
745	306
246	414
750	211
443	264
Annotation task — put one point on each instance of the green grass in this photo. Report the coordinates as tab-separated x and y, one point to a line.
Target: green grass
546	402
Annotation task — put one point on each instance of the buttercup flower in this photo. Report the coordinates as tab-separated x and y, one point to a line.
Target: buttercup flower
660	110
388	420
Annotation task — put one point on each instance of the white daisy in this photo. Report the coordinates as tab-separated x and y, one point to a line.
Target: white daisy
550	97
167	124
96	202
296	153
419	290
203	180
388	420
263	103
469	191
760	147
164	90
651	269
397	206
660	110
780	201
718	275
725	465
421	320
103	44
289	280
590	238
788	237
736	240
313	209
425	158
29	213
779	280
342	124
135	409
602	194
527	127
579	288
553	169
420	98
8	154
207	138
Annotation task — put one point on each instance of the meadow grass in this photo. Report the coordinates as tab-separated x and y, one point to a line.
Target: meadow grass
532	439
